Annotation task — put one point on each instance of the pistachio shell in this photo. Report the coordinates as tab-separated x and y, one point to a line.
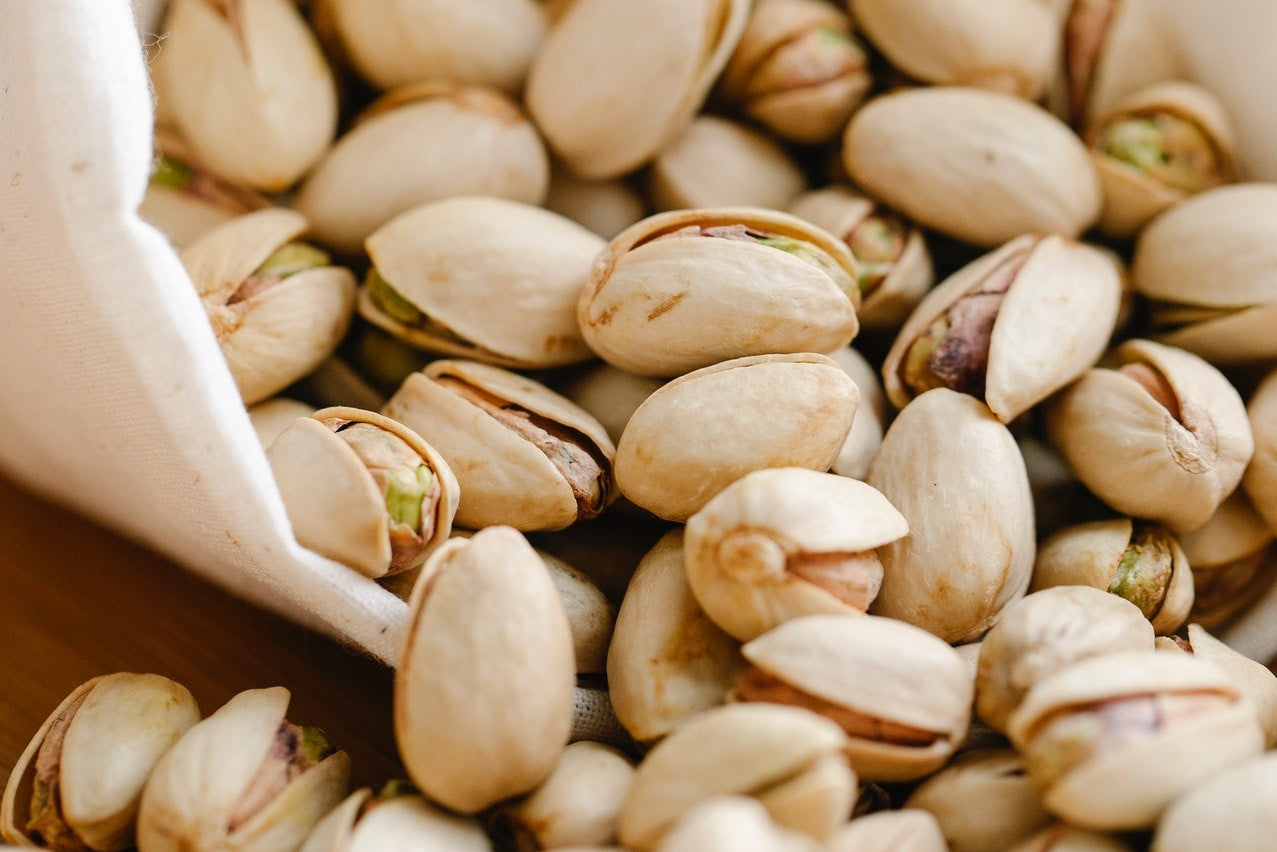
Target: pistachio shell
611	395
667	660
703	431
731	824
663	303
955	571
272	416
866	429
1257	682
501	277
759	553
1065	838
578	804
1260	479
1233	561
974	165
615	81
408	823
815	801
1143	458
1242	796
907	830
480	143
590	615
606	207
487	659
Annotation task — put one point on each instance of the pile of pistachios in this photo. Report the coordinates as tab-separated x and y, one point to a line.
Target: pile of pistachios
584	275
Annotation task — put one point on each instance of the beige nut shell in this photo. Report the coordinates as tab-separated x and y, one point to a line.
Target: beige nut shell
1260	479
408	823
579	803
1232	810
866	429
905	830
732	824
1254	680
606	207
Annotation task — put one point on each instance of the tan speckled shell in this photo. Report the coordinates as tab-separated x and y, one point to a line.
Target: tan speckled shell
404	822
905	830
579	803
1260	480
1242	796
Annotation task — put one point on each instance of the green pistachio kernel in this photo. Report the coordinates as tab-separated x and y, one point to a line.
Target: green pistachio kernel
290	259
1172	150
917	363
812	254
877	242
395	788
315	745
171	173
40	800
817	57
406	489
391	303
1144	571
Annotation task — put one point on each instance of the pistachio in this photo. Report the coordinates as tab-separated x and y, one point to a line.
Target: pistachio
605	207
906	830
1260	479
732	824
1233	561
396	818
1244	793
590	615
611	395
1065	838
381	359
866	429
687	289
1257	682
272	416
703	431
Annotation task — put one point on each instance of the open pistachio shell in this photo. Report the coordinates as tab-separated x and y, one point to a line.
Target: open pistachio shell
703	431
732	824
1233	561
483	278
787	542
1011	327
274	334
1065	838
686	289
905	830
955	571
223	784
1260	479
614	81
1112	740
248	88
978	166
480	143
1141	563
90	760
1256	681
1164	436
513	443
340	508
606	207
483	697
408	822
1232	810
866	429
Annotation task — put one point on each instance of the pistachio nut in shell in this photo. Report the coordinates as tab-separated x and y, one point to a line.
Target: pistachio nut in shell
590	615
524	455
781	543
1046	631
977	166
1062	837
1009	328
958	796
686	289
484	278
78	783
891	254
667	660
611	395
606	207
423	142
1232	810
732	824
703	431
244	778
1156	148
1207	266
277	306
489	44
797	70
1260	479
1233	560
615	81
905	830
1255	680
866	429
274	415
363	490
746	749
248	88
487	659
1160	435
715	162
956	570
902	696
1110	741
396	818
1137	561
1006	46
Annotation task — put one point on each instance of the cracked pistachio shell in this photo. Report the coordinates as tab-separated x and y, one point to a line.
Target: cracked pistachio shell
614	81
196	787
281	332
667	660
611	395
1045	632
1207	265
958	796
797	70
606	207
483	697
703	431
506	478
421	143
1092	554
248	88
1254	680
841	211
1007	46
1116	768
866	429
272	416
732	824
717	163
663	303
409	823
781	543
1232	560
496	280
1065	838
906	830
120	725
745	749
955	571
335	506
882	671
1233	811
1164	436
1132	197
977	166
576	806
1053	322
1260	479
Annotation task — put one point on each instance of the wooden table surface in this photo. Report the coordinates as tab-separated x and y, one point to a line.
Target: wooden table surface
76	601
